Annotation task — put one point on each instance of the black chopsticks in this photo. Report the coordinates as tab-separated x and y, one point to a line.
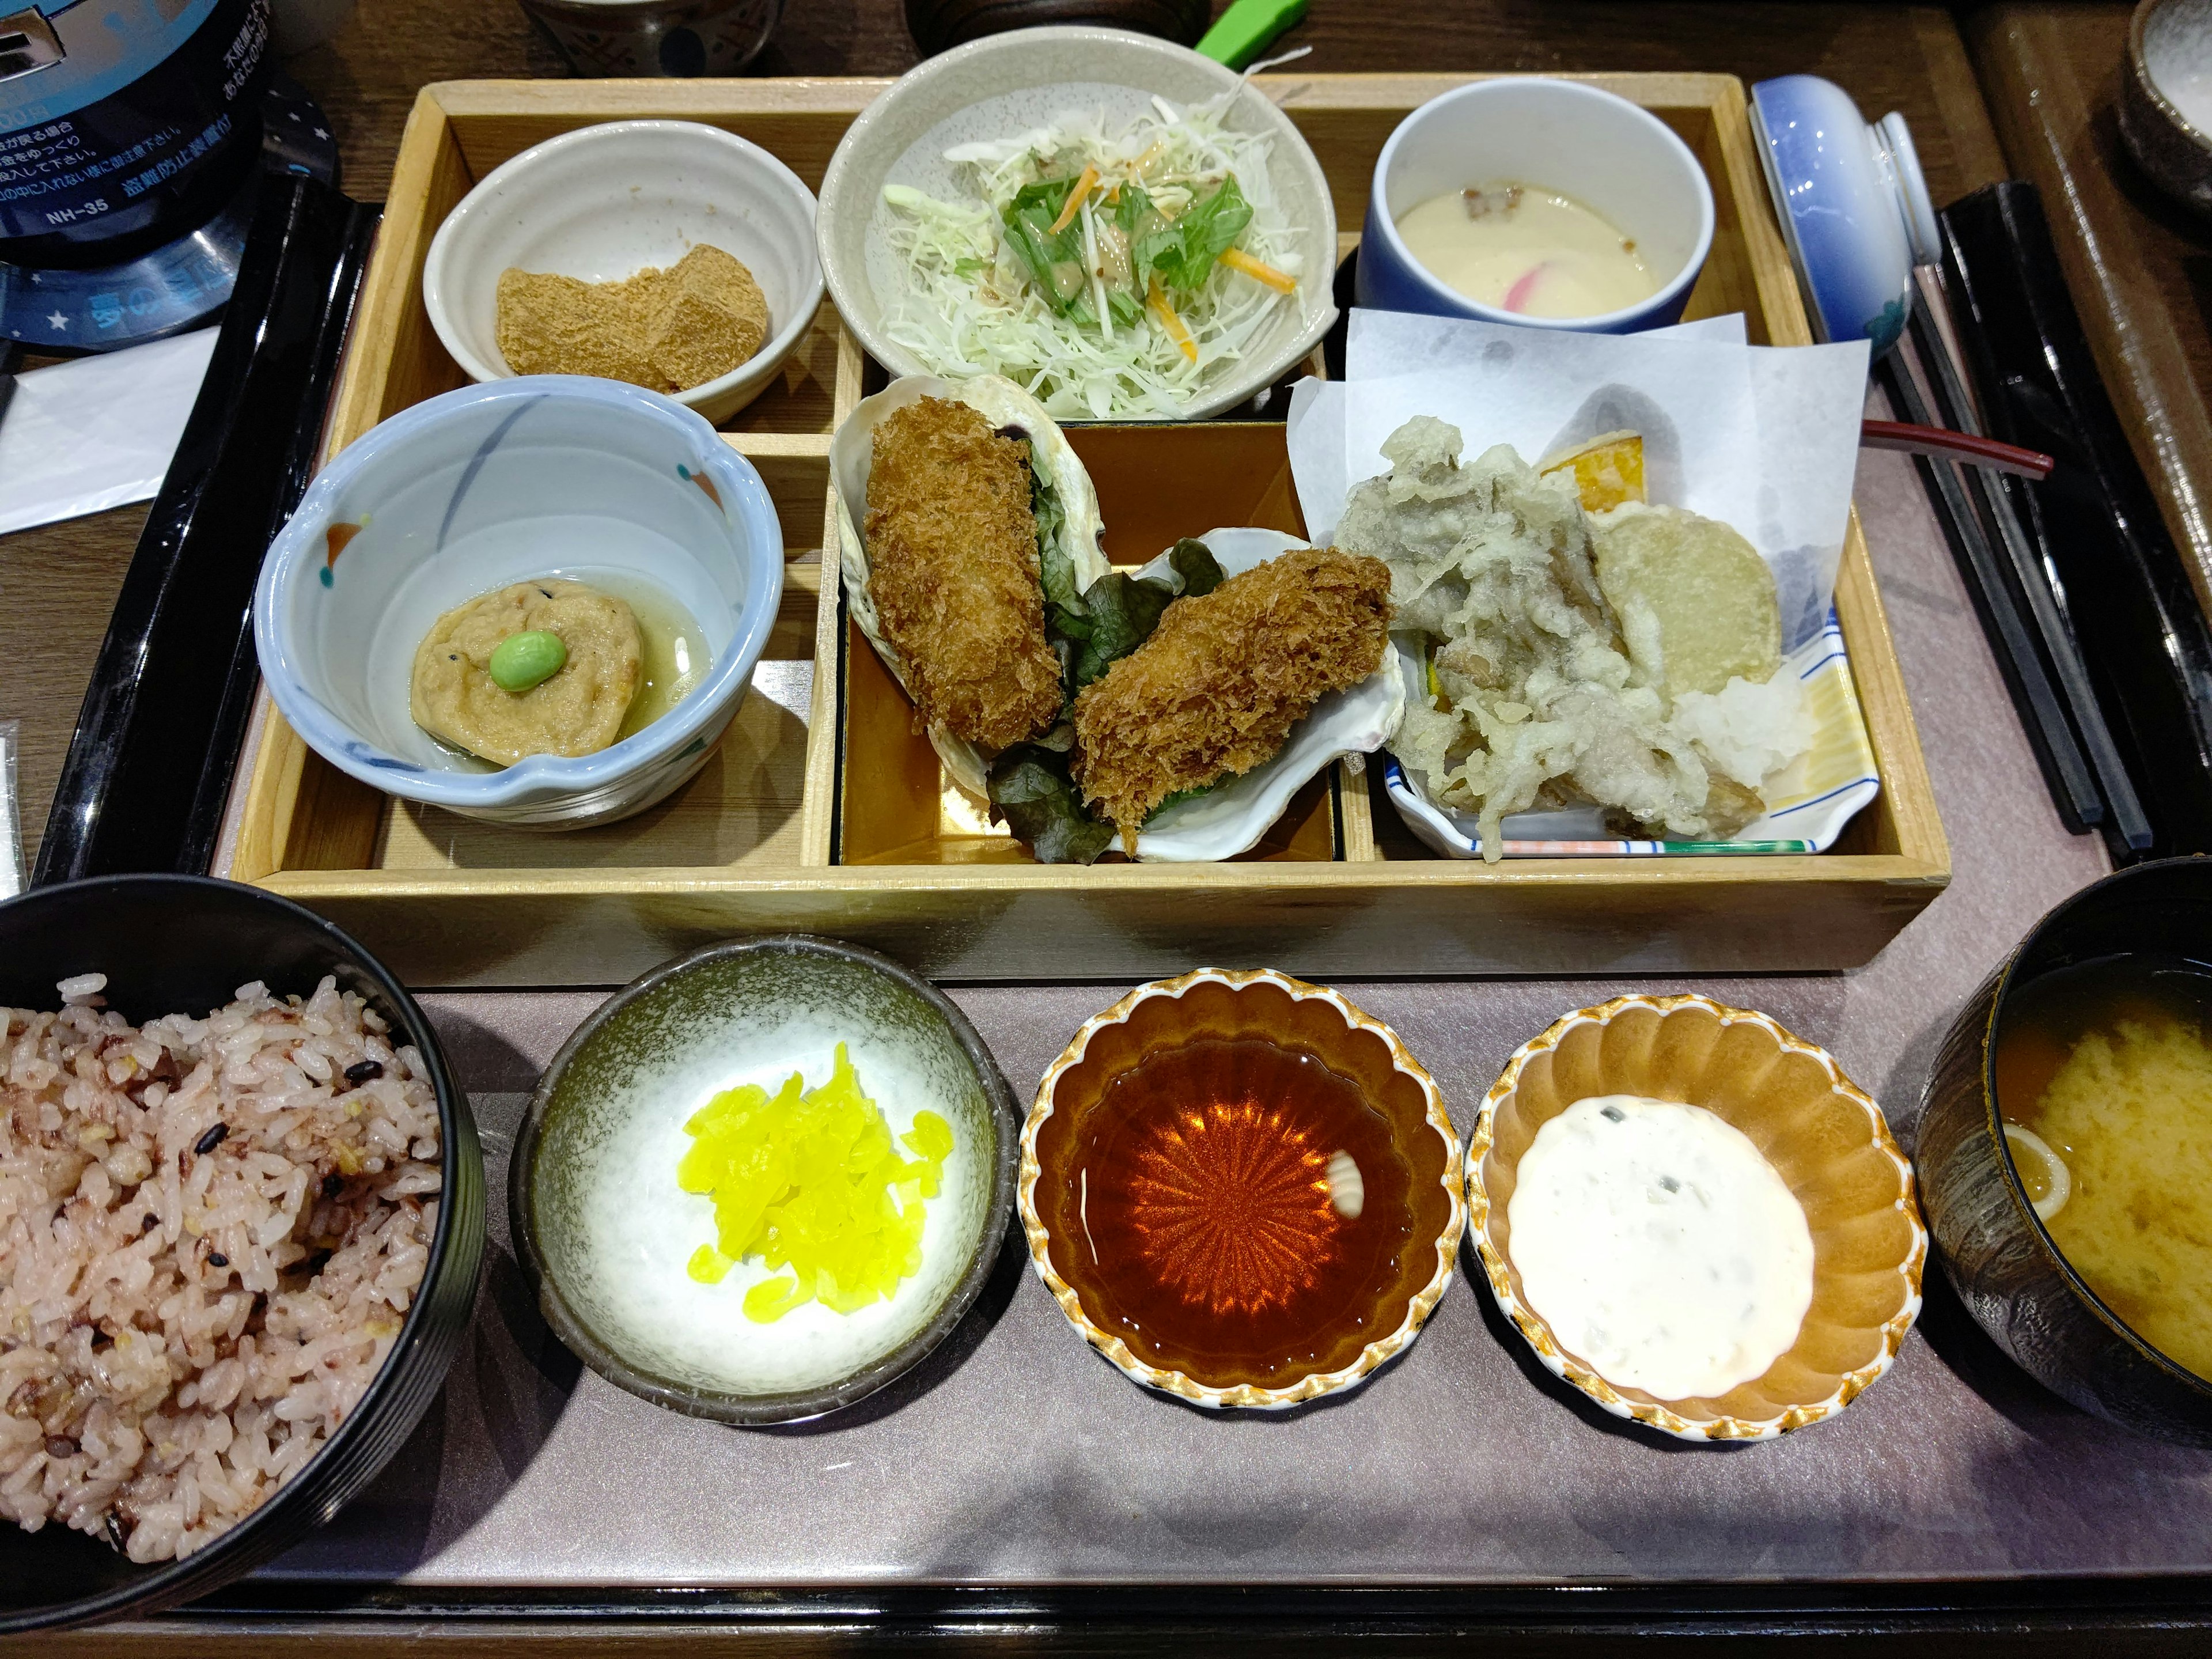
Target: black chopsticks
150	766
2037	645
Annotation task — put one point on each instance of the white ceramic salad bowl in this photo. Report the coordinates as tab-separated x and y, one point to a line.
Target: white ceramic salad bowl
533	476
1005	86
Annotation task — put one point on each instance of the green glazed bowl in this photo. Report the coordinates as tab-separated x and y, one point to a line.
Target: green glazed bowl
605	1232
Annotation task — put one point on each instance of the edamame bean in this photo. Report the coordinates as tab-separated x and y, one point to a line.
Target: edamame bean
522	660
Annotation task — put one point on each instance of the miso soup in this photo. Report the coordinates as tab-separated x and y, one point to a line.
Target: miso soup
2109	1066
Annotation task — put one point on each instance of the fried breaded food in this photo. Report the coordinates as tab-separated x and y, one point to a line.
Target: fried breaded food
952	567
1225	676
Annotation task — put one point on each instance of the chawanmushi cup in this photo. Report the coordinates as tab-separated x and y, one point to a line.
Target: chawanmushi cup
1187	1094
1824	1135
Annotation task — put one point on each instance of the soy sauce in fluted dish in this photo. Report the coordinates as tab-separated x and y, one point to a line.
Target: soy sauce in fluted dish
1235	1210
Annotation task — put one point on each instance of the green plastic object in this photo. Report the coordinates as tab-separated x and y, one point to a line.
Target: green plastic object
1242	32
522	660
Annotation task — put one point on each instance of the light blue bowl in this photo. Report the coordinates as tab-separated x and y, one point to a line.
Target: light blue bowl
1612	156
539	476
1853	203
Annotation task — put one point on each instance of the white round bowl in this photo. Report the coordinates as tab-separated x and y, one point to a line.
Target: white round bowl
1005	84
1612	156
536	475
603	203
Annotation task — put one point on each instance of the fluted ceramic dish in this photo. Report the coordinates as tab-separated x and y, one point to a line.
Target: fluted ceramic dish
1823	1134
1310	1020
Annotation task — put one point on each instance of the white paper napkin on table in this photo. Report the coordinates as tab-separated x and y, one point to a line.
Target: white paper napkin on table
1763	439
97	432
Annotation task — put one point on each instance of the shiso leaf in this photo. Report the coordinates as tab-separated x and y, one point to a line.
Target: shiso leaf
1033	791
1032	785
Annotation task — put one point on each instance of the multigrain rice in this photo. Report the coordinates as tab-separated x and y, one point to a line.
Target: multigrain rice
210	1231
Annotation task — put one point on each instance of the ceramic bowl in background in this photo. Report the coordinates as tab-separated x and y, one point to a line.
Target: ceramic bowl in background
657	37
1853	203
938	25
1005	84
1257	1029
1824	1137
1995	1251
1612	156
602	203
541	475
605	1232
185	944
2165	97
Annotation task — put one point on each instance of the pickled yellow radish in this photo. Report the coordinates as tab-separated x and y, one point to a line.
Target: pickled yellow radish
809	1182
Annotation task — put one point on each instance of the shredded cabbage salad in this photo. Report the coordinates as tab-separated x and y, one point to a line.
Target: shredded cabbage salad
1110	272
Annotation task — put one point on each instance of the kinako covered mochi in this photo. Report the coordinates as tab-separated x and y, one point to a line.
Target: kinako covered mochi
1217	688
668	331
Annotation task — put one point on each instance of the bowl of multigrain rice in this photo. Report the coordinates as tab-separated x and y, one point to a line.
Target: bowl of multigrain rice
242	1217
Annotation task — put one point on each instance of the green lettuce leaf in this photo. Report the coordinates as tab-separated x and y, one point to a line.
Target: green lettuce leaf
1182	253
1183	795
1120	611
1053	259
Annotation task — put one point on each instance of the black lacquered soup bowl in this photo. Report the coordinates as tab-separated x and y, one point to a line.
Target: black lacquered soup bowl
185	944
1994	1248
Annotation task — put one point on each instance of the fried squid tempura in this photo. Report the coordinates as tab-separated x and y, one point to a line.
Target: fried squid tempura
952	558
1218	687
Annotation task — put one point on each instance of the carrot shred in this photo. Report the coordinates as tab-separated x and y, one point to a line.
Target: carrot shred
1156	301
1258	270
1073	206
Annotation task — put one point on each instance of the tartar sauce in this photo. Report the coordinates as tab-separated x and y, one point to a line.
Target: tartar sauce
1661	1246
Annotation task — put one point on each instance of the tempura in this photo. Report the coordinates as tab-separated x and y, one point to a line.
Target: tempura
1536	700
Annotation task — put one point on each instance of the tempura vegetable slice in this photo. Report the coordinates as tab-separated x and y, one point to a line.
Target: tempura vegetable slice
1607	470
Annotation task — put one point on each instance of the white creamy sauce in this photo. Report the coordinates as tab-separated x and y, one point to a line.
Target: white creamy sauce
1521	248
1661	1246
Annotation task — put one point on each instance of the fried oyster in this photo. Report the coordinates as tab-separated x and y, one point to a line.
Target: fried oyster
952	553
1218	687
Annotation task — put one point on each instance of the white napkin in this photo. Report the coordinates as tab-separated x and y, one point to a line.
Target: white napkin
97	432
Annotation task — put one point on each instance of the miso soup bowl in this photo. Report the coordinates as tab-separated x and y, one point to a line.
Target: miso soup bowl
547	475
1612	156
1994	1249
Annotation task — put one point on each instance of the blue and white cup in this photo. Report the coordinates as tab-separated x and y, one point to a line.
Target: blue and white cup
1614	157
1854	206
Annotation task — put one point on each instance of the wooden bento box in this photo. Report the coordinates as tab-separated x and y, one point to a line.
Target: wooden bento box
825	812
